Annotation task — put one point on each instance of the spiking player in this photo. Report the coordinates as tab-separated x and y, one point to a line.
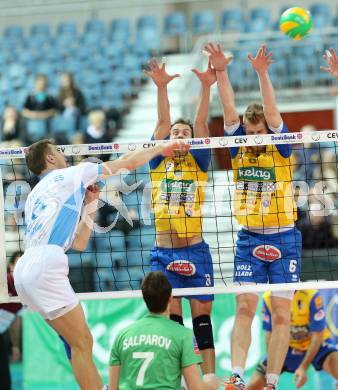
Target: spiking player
178	196
268	247
153	352
309	341
52	213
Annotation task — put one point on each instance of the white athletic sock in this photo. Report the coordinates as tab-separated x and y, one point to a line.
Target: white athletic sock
206	377
239	371
272	379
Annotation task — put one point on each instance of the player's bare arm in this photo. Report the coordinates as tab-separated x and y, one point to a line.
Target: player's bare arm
207	79
114	374
161	79
220	63
331	58
85	226
300	376
132	160
194	382
261	63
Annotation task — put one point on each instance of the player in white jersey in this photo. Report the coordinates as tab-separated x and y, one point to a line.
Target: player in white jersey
59	215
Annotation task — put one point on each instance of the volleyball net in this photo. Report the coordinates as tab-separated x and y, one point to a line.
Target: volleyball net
118	254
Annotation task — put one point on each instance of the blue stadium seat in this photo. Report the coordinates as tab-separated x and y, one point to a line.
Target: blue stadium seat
13	31
258	25
335	21
146	21
143	238
174	24
232	20
120	30
95	25
320	9
36	129
138	256
136	276
148	38
203	22
260	13
62	125
68	28
41	29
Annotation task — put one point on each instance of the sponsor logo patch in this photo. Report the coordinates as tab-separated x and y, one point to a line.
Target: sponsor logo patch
319	302
319	315
182	267
267	253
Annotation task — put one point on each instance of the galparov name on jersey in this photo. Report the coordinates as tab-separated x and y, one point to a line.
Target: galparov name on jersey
146	339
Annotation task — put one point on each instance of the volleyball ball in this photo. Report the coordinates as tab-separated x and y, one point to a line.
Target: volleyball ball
296	23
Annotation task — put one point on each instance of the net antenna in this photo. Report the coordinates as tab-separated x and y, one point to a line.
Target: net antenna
3	263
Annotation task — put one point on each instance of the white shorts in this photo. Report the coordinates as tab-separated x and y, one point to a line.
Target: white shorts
41	281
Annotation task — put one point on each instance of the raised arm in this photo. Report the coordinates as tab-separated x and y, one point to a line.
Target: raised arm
85	226
161	79
261	64
300	376
207	79
220	63
331	58
132	160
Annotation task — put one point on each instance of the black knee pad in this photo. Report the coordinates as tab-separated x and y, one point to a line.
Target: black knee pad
176	318
203	332
261	368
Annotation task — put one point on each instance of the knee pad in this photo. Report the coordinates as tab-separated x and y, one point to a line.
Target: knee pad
177	318
203	332
67	348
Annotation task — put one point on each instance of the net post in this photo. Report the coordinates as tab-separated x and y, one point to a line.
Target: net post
3	265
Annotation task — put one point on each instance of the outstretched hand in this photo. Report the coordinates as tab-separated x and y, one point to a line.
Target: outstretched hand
158	73
262	61
207	78
331	58
92	193
174	148
217	57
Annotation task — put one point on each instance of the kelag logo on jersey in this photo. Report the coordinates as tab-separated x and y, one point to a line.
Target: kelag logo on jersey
256	174
182	267
267	253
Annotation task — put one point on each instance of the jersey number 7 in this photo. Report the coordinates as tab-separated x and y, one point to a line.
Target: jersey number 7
148	357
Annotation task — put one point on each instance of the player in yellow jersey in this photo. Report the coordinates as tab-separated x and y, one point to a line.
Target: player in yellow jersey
268	248
309	341
178	196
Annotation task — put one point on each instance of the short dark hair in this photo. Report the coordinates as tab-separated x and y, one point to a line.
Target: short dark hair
254	114
36	155
184	122
156	291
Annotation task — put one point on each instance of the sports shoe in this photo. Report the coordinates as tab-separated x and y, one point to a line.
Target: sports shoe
270	387
235	382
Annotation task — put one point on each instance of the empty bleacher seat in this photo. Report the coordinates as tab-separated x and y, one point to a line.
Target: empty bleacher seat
13	31
146	21
174	24
95	25
260	13
204	22
320	9
68	28
41	29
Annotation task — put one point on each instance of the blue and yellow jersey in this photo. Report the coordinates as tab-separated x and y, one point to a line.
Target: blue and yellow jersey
263	195
307	315
178	186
